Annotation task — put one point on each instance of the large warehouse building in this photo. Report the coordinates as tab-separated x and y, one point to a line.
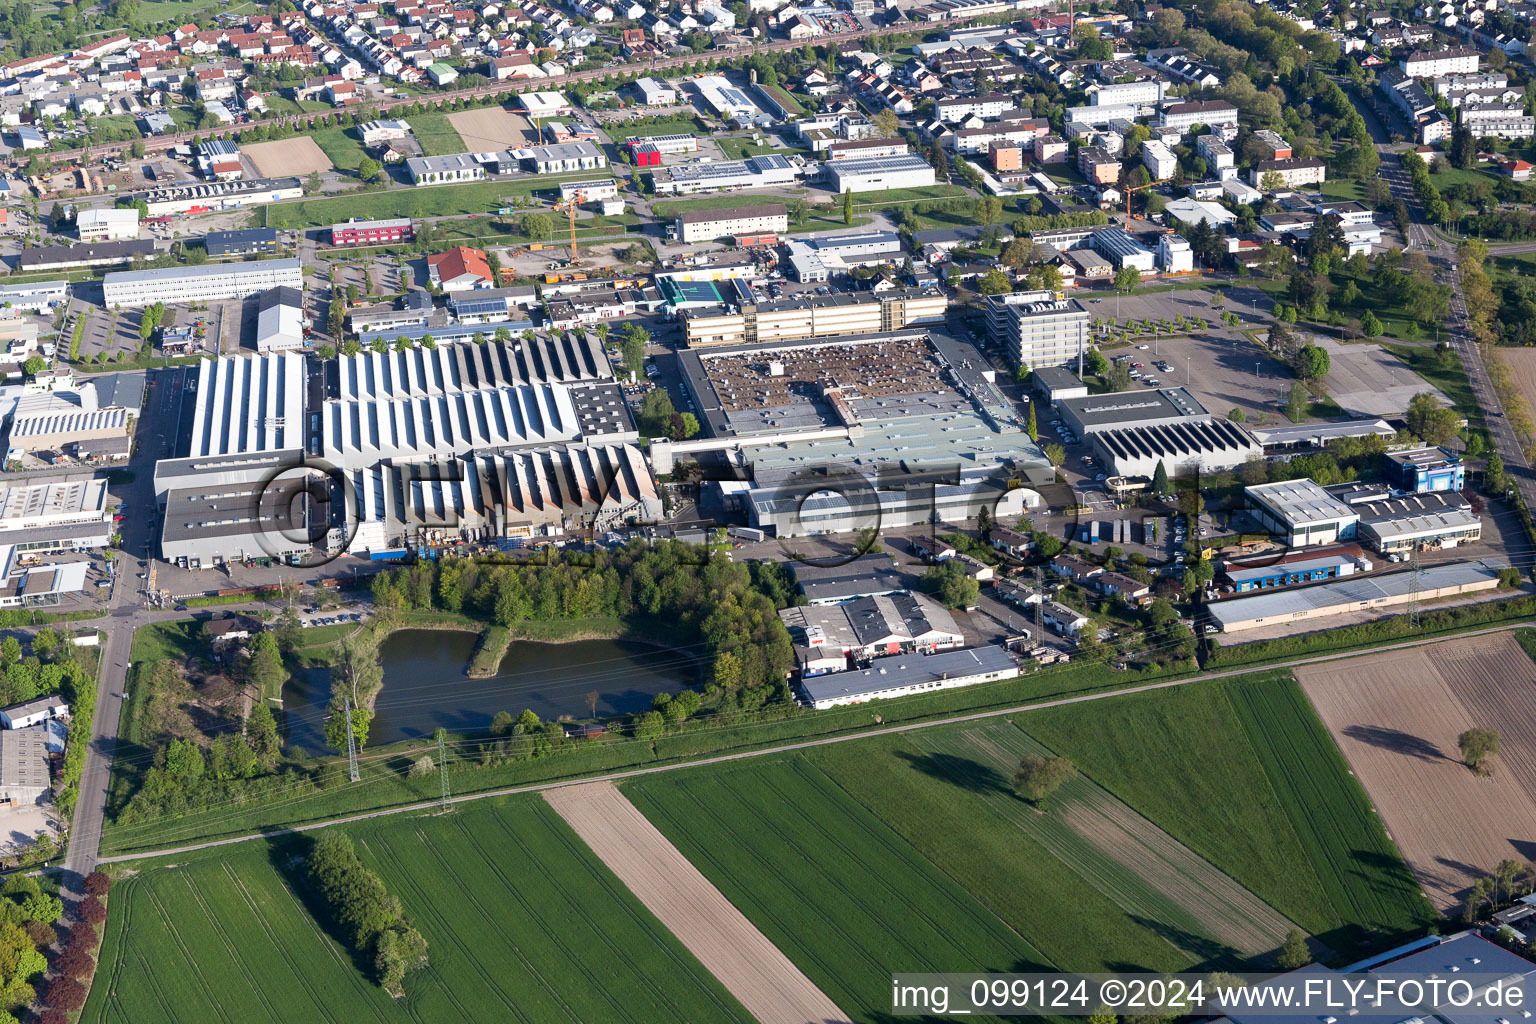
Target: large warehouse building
1183	449
207	283
879	173
763	171
1302	513
429	447
248	405
1129	409
1359	593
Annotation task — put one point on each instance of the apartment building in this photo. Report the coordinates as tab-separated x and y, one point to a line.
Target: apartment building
135	288
1294	172
708	225
1212	113
1435	63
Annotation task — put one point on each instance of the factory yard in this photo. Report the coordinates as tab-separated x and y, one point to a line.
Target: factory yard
287	157
491	128
1367	380
1397	716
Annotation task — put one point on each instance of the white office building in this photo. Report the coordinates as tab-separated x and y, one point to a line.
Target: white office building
118	225
1120	247
1038	329
1174	256
135	288
441	170
34	296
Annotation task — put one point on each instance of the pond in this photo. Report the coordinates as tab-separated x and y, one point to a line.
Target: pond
425	686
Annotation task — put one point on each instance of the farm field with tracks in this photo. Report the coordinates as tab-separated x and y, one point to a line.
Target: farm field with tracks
523	922
1240	770
1397	715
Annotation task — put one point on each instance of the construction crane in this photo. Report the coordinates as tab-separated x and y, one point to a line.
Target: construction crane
1131	190
569	207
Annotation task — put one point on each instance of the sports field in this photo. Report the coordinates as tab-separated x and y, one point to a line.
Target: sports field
299	156
522	921
1397	715
1243	773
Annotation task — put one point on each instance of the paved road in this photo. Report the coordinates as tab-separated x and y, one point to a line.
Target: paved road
160	143
1442	253
806	744
126	613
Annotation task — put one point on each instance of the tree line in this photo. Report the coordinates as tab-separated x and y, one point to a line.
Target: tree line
368	916
729	610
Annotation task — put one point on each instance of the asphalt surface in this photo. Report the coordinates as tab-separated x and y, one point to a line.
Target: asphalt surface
127	610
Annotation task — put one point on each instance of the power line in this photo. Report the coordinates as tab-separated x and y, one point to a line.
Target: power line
352	772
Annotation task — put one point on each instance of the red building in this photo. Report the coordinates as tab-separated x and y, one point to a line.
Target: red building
645	154
372	232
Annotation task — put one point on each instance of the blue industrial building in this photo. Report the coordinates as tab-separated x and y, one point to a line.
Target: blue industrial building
1425	469
1287	574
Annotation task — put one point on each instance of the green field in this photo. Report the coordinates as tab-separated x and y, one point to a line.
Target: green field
436	135
343	149
839	893
404	201
619	131
1243	774
524	924
1088	883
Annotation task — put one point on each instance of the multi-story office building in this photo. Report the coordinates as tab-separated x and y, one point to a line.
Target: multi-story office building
708	225
134	288
107	225
1038	329
748	322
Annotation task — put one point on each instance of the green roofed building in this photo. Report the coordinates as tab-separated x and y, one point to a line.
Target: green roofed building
680	295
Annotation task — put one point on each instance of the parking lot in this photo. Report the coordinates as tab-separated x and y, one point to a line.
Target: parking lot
1223	372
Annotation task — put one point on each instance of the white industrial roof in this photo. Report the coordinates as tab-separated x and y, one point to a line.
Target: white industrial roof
1301	501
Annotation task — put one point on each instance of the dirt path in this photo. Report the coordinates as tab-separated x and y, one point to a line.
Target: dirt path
728	945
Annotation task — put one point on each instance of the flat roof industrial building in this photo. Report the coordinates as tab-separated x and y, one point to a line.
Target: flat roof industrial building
1360	593
906	674
1434	520
753	172
134	288
1131	409
1301	512
1183	449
